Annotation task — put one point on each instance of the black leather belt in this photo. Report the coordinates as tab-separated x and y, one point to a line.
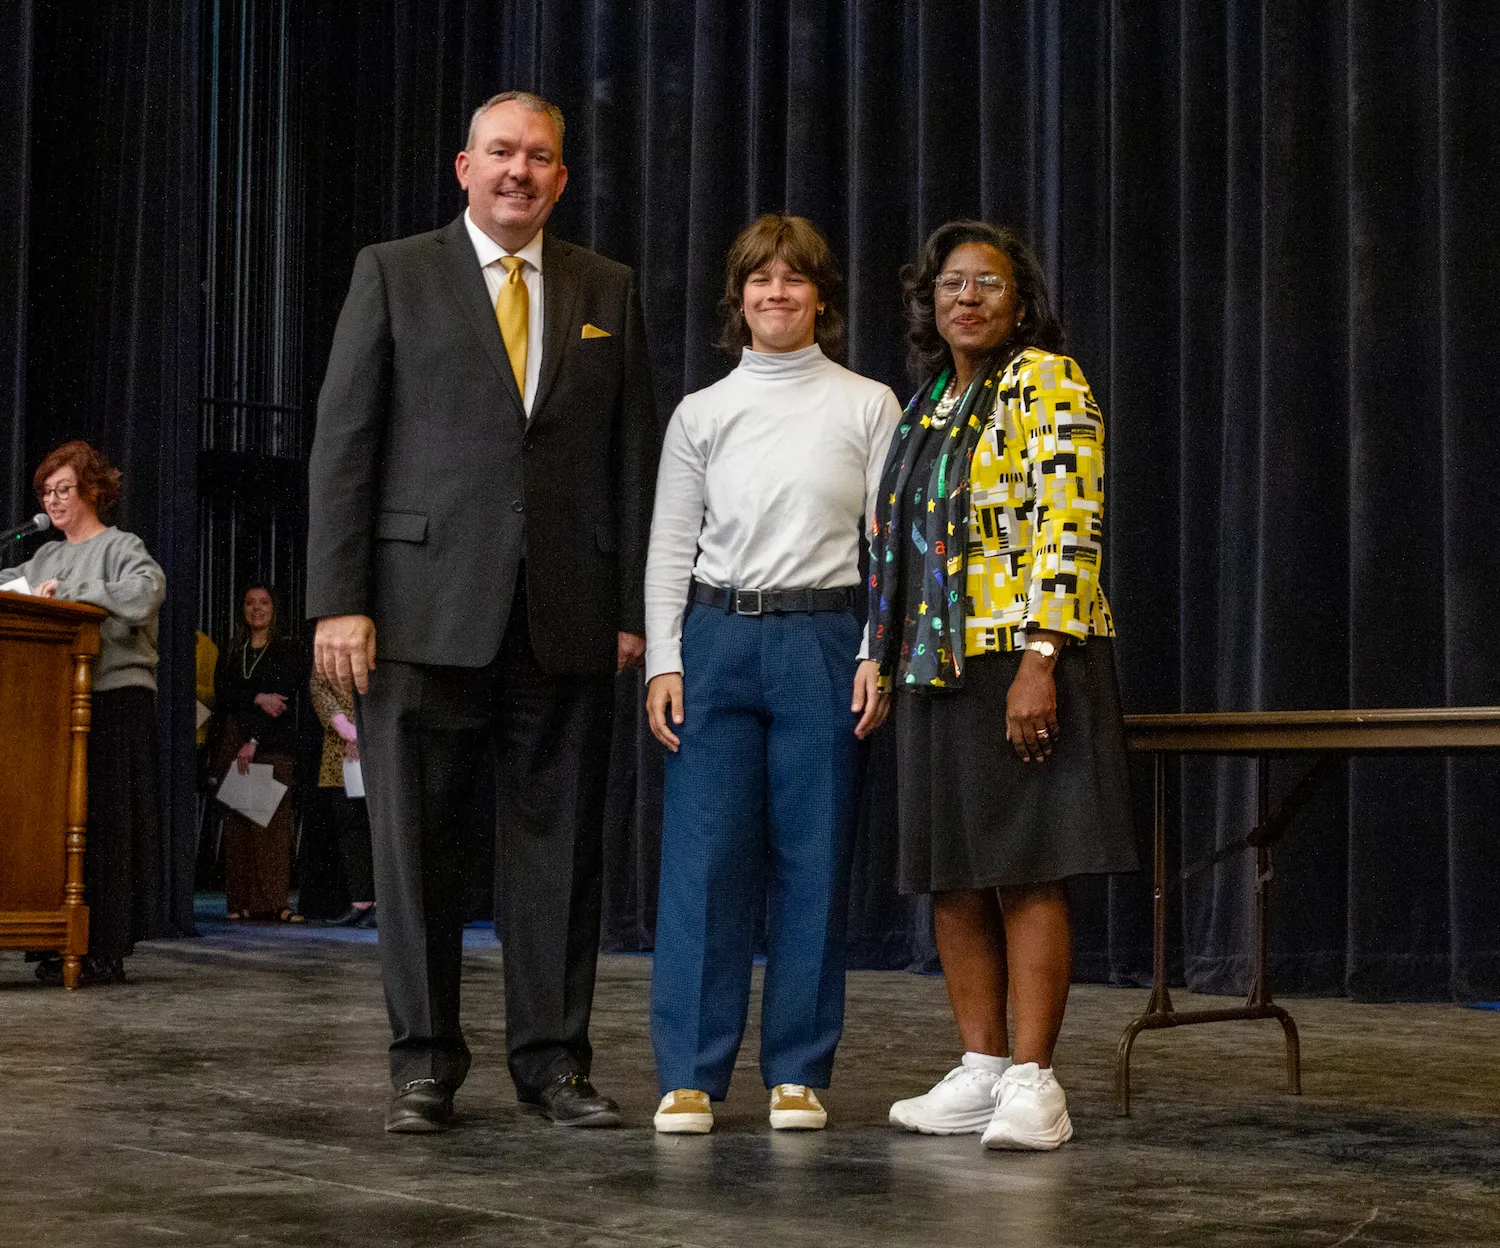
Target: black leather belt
773	601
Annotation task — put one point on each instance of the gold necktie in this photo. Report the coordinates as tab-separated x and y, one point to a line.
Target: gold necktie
513	312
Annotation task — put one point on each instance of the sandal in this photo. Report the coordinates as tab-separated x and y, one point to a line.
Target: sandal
288	915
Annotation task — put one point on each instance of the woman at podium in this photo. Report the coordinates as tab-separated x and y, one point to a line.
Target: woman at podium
102	565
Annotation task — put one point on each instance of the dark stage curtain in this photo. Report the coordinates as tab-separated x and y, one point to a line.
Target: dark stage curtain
1270	227
101	330
15	103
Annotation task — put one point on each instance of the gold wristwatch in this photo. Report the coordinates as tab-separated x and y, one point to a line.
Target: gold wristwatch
1047	649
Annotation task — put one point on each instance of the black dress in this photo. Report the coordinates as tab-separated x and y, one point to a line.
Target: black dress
258	861
245	672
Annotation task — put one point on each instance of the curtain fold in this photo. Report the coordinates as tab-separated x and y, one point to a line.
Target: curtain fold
16	500
112	330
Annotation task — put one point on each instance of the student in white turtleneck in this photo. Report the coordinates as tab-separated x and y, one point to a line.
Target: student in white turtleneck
758	684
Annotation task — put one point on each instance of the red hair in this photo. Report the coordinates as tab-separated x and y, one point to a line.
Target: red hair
98	480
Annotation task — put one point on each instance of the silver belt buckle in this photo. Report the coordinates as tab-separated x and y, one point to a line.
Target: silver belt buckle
741	597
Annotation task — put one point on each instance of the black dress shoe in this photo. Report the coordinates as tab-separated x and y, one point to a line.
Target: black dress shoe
571	1101
352	917
93	972
420	1108
103	970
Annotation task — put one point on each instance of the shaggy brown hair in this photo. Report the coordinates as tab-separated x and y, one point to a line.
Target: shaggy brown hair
796	241
98	481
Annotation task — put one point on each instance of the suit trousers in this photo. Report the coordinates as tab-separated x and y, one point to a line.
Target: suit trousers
759	803
425	732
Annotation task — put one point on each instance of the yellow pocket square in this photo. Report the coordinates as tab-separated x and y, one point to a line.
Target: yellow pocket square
593	331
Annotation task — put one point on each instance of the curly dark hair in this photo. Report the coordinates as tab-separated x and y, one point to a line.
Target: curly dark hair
98	480
927	354
796	241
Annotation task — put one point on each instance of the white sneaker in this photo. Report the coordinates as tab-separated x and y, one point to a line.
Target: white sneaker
1031	1111
961	1103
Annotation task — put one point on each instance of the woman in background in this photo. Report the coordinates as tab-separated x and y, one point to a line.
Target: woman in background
206	663
258	675
99	564
345	814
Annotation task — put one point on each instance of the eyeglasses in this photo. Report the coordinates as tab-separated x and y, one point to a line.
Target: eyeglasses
951	285
61	491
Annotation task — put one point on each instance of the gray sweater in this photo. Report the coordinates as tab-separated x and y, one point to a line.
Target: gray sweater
111	570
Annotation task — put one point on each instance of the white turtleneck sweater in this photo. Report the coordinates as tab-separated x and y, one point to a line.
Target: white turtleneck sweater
764	479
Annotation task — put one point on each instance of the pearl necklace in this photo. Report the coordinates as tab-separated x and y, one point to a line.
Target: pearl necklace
249	671
946	404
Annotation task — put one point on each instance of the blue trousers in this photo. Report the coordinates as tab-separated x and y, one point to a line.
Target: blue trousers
759	801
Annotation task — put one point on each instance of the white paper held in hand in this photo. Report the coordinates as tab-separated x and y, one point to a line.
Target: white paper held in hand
256	794
354	779
17	586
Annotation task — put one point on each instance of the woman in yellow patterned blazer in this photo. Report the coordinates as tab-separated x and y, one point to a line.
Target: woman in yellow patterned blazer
988	617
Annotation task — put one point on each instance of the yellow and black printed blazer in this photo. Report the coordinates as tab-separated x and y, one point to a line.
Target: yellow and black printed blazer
1036	510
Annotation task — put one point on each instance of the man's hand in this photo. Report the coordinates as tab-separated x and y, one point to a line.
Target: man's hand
344	651
47	589
245	757
665	691
273	704
869	699
630	650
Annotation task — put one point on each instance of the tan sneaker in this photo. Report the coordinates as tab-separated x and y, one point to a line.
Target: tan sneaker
684	1112
796	1108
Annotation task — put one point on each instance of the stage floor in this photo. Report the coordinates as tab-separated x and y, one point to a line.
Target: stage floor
233	1094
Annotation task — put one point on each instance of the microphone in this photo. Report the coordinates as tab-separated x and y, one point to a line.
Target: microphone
38	523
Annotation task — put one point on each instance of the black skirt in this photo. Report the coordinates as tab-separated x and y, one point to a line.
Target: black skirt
973	815
123	877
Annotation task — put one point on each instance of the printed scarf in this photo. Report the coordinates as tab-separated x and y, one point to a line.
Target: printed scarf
933	543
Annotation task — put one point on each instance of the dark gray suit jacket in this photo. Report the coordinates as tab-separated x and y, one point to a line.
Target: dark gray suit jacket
427	485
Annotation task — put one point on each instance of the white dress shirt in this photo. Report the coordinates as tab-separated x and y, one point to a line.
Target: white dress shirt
764	478
490	253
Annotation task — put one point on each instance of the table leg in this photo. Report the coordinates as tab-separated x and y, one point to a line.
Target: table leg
1259	1003
1159	1013
1159	1007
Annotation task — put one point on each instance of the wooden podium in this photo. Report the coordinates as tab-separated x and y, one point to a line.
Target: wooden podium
47	651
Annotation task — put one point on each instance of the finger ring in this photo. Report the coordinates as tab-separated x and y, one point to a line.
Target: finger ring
1042	733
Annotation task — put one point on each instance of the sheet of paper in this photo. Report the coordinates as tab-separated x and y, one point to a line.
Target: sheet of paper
256	794
17	586
203	713
354	779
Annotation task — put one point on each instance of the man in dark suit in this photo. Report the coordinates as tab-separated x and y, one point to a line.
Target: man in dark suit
480	496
